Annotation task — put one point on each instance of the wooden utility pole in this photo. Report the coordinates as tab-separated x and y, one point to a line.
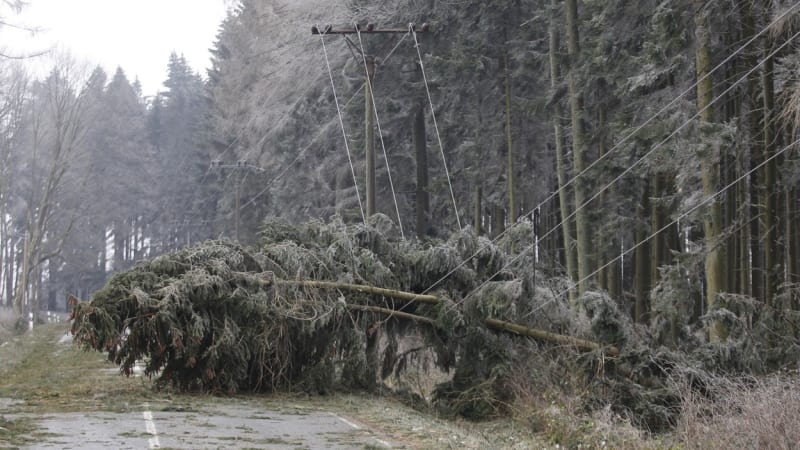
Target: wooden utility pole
238	202
369	110
369	135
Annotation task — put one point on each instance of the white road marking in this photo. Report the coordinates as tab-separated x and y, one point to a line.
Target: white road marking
150	426
354	426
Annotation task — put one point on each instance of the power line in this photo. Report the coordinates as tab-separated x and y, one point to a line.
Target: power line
665	227
619	144
380	132
640	160
300	154
341	124
435	124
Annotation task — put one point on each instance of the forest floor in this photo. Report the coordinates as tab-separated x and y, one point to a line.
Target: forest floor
55	395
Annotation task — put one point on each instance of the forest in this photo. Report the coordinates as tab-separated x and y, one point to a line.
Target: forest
642	151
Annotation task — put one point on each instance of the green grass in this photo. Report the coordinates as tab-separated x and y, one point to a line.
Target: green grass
16	432
53	377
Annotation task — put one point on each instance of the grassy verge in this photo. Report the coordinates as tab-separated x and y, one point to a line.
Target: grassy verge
50	376
39	376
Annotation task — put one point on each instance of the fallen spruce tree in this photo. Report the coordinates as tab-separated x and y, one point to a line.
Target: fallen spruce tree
325	305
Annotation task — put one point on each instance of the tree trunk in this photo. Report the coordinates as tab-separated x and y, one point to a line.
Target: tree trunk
579	151
710	174
547	336
421	154
400	295
20	298
120	235
567	224
642	259
751	263
769	184
793	238
477	218
512	204
498	220
392	313
657	221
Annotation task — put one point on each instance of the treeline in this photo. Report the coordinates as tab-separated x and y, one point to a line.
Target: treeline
94	176
651	141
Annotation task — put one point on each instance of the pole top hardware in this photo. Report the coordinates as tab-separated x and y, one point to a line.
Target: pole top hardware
240	164
370	28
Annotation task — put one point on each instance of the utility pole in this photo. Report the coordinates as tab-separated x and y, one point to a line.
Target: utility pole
369	110
240	167
369	135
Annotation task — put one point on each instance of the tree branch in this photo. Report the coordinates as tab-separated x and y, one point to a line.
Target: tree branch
410	296
547	336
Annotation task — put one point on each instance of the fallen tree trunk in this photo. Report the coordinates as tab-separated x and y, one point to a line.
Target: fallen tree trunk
410	296
550	337
391	312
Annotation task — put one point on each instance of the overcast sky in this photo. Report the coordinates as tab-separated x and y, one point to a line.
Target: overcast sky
137	35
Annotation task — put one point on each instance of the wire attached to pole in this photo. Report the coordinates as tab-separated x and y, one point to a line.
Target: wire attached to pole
413	31
666	227
380	132
639	161
302	152
625	139
341	124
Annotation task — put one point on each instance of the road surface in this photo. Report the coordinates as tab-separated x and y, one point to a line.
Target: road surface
223	425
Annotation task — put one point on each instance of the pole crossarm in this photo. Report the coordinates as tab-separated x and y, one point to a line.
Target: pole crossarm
369	29
240	165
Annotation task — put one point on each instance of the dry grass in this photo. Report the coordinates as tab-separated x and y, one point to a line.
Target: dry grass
748	412
550	400
49	376
7	320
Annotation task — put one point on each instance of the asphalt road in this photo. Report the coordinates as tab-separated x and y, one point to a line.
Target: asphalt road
222	425
202	423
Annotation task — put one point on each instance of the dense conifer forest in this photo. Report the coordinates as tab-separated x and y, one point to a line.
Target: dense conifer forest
621	172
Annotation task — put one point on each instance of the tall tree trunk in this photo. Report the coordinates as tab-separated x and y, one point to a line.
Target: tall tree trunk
421	154
512	204
20	296
657	221
732	110
498	220
9	274
477	217
642	258
710	174
751	256
120	235
5	261
769	184
567	223
793	234
579	151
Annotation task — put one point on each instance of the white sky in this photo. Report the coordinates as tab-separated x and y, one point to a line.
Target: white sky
137	35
